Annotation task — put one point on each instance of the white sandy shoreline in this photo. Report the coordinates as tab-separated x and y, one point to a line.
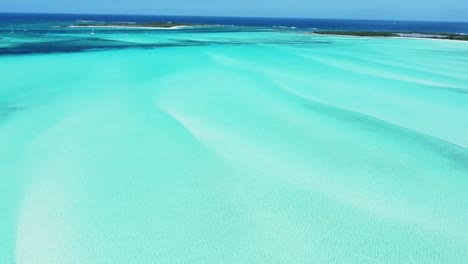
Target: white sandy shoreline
129	27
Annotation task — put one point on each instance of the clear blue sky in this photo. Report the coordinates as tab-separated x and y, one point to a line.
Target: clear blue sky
449	10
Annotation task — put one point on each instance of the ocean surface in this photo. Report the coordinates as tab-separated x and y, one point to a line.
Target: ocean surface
251	142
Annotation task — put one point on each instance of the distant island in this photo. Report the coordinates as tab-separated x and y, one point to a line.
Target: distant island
176	25
430	35
167	25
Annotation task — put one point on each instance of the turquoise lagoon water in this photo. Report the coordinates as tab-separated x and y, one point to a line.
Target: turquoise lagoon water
232	146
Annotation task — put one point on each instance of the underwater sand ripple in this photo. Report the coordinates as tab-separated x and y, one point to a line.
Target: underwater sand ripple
233	153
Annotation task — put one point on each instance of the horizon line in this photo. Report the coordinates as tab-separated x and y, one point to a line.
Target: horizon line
228	16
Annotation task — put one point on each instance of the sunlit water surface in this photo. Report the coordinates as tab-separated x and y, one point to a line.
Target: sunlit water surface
231	145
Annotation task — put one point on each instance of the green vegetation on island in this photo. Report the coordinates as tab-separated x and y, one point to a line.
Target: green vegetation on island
133	24
430	35
357	33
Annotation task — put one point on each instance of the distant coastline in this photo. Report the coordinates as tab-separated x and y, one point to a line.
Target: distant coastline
300	23
131	25
127	27
387	34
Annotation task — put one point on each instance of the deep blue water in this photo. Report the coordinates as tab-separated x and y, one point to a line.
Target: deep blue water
300	23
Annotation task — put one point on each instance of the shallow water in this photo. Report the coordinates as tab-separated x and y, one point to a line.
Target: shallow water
240	145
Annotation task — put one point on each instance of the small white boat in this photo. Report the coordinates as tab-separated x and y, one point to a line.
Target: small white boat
92	31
